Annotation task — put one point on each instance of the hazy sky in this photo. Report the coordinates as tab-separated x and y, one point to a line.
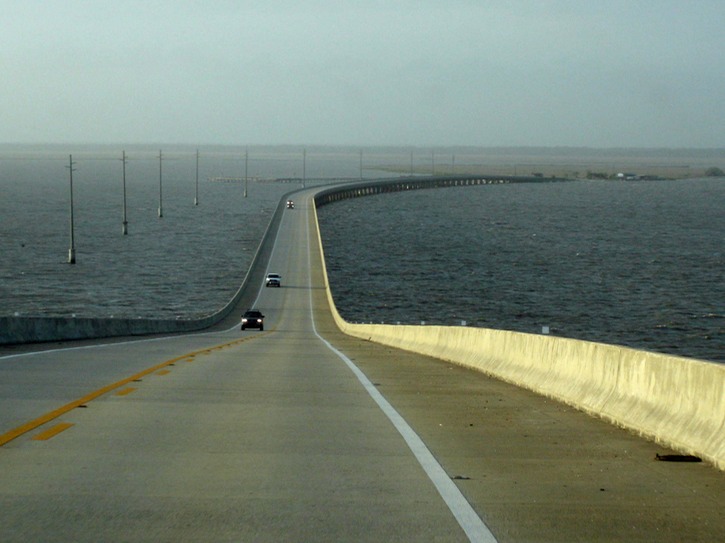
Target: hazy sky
599	73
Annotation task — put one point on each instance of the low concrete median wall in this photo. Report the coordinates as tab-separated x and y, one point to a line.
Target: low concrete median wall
675	401
16	330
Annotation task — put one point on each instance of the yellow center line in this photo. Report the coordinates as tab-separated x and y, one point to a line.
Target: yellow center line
51	415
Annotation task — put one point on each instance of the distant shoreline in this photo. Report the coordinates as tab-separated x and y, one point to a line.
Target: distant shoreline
571	163
564	171
564	162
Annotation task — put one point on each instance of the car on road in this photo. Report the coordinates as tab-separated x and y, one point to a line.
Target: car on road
290	204
253	318
273	280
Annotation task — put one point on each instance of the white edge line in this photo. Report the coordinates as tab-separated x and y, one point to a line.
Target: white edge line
467	518
116	344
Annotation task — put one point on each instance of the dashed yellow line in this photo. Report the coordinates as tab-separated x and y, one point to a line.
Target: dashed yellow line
125	391
52	432
44	419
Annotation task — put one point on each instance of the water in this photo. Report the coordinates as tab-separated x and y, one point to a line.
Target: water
637	264
187	264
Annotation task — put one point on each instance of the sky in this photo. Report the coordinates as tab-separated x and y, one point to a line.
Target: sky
581	73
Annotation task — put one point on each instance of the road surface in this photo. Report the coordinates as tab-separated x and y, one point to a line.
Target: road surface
299	433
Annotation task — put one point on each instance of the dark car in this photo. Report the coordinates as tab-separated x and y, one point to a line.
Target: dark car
253	319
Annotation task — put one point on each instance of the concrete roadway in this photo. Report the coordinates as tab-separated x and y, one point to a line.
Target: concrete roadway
299	433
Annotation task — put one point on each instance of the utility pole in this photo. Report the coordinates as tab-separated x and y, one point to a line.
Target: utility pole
246	171
124	229
361	168
304	167
161	209
72	250
196	197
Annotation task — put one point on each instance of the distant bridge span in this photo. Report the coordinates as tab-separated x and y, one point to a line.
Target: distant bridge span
370	187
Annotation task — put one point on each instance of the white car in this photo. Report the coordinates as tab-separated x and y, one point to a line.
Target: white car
273	280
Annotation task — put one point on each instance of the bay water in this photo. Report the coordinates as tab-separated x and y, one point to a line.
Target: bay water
630	263
634	263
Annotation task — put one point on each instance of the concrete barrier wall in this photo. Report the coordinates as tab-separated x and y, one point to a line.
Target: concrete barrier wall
15	330
678	402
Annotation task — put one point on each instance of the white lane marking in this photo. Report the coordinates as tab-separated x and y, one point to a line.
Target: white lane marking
269	261
82	347
118	343
475	529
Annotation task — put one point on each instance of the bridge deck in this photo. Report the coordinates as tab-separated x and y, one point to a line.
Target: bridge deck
271	437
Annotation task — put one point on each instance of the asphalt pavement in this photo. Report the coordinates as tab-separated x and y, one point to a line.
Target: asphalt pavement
300	433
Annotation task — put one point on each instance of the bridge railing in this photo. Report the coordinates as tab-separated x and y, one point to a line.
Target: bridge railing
675	401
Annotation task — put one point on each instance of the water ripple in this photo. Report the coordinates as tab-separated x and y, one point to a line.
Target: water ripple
636	264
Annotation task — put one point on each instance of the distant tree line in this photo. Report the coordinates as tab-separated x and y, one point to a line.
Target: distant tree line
710	172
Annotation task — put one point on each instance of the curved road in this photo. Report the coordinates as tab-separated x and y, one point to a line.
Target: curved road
299	433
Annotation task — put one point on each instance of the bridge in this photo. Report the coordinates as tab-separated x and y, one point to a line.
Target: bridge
312	431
